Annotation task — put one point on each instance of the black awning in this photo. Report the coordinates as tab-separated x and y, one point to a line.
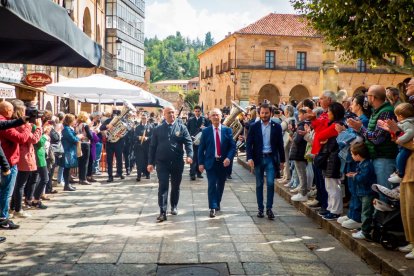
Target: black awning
41	32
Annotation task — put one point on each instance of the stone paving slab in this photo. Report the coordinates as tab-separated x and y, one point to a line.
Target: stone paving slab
110	229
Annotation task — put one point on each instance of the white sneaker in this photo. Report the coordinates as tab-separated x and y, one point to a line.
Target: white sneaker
395	179
410	256
299	197
341	220
295	190
312	193
406	249
351	224
22	214
358	235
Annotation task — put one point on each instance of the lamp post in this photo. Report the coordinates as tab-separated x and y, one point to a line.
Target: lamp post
68	5
118	43
234	81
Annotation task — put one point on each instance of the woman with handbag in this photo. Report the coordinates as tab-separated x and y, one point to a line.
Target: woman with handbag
69	141
85	146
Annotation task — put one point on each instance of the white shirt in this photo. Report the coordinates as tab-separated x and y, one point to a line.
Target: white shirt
214	136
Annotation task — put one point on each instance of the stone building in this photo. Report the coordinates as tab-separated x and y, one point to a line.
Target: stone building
280	58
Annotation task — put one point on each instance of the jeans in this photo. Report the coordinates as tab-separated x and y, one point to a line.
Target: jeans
23	178
43	179
6	190
95	167
266	165
300	167
401	160
366	214
383	169
354	211
83	161
310	175
60	175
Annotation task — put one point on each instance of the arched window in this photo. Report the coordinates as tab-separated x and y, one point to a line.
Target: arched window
87	22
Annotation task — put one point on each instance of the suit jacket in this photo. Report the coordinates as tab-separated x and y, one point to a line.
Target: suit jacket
207	147
254	143
139	131
167	143
194	125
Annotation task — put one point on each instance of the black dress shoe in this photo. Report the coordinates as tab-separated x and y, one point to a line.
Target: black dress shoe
69	188
212	213
2	239
162	217
200	176
270	214
122	177
260	214
229	177
110	179
193	177
138	179
128	172
174	211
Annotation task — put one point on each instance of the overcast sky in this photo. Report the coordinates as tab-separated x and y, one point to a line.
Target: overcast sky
194	18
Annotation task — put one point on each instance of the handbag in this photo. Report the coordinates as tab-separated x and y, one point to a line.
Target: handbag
78	149
321	159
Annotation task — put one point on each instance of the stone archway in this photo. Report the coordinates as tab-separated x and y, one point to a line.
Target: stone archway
228	96
87	26
299	93
359	91
269	92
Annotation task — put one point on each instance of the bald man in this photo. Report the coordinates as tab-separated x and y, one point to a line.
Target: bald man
166	152
382	150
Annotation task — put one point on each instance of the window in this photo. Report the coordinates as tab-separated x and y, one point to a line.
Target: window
361	65
301	61
270	59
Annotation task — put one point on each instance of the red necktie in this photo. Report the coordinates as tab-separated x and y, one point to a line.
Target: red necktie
218	143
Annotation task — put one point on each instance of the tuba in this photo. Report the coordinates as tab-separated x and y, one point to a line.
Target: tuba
121	123
232	122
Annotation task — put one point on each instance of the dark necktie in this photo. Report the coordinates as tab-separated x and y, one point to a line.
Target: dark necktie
218	149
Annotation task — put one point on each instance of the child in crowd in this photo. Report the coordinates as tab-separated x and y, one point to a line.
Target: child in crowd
363	178
405	116
297	155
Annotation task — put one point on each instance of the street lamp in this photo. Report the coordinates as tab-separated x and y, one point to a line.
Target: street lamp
233	77
118	43
68	5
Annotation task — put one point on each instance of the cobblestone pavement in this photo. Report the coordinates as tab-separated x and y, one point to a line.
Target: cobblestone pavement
110	229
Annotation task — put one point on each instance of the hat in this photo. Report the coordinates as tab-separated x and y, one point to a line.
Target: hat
394	193
382	206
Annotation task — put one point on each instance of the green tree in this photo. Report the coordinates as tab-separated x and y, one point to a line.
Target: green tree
191	98
372	30
208	41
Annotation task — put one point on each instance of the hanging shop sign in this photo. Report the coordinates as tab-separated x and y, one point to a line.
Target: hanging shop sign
38	79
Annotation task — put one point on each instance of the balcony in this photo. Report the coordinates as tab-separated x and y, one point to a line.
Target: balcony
260	65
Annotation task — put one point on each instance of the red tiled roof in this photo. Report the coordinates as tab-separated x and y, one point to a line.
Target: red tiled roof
280	25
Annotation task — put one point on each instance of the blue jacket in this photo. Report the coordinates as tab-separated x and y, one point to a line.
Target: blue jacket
254	143
206	149
69	141
364	178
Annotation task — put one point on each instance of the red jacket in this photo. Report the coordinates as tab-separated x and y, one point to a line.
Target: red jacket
27	161
10	140
322	132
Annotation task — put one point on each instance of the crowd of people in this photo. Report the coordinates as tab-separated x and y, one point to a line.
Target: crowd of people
357	152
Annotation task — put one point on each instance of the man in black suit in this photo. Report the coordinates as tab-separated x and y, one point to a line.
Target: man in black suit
264	148
195	125
142	138
166	152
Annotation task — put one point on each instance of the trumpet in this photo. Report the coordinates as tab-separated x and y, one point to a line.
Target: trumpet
143	136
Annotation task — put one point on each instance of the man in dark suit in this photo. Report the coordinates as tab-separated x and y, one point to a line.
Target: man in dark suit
195	125
142	138
166	152
217	149
264	148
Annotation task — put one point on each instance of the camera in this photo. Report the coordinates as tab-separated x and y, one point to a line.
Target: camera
33	113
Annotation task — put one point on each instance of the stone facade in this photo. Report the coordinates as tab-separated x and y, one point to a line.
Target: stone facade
248	68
